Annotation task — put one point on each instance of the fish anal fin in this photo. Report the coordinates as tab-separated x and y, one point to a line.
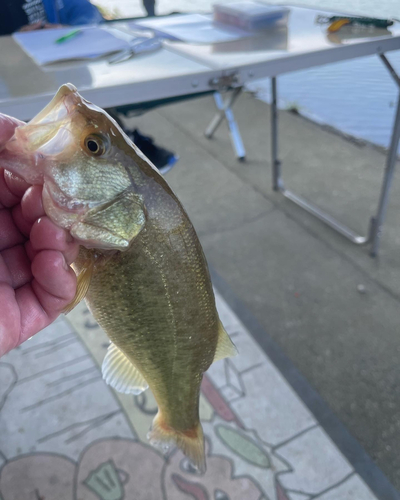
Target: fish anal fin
121	374
225	347
191	441
83	282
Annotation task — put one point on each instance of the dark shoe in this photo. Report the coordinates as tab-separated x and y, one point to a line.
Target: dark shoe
163	159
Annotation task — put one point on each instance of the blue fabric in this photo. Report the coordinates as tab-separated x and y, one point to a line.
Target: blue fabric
72	12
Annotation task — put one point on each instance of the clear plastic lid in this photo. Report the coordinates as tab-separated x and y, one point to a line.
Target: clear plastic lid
251	10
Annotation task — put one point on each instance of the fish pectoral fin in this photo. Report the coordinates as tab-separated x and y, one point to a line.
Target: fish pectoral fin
83	282
119	372
113	225
225	347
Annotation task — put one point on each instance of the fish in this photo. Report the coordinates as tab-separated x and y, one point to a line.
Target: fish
140	268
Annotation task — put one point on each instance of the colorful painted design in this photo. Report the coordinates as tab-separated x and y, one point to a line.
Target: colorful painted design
244	446
183	482
65	435
120	469
216	400
106	482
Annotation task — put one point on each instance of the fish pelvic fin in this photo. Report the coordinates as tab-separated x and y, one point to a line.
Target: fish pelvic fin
119	372
225	347
82	286
191	441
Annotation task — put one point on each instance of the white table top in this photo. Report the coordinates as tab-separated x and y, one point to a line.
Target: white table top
299	45
25	87
180	69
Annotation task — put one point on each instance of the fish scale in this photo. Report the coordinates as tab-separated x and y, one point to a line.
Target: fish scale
149	319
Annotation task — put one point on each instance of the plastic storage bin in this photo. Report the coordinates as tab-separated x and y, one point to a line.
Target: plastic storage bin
250	15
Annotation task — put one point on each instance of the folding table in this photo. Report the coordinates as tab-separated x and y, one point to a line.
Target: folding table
183	70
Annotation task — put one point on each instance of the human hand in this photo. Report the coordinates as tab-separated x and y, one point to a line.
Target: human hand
36	282
40	25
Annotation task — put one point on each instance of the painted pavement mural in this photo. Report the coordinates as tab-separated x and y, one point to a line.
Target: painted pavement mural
65	435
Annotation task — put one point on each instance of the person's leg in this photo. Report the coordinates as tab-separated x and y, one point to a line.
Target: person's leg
161	157
149	5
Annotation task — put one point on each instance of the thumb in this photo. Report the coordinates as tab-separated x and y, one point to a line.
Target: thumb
7	126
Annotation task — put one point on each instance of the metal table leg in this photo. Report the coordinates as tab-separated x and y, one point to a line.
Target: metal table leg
376	223
277	182
389	170
225	112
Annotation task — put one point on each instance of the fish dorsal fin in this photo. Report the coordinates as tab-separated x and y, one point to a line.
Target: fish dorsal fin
119	372
83	282
225	347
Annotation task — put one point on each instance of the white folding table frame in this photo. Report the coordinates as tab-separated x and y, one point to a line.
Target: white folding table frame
376	223
225	111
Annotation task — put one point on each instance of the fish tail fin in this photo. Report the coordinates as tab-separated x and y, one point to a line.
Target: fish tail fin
191	442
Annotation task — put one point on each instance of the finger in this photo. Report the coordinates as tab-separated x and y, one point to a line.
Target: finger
45	235
5	276
29	211
20	222
31	27
49	26
32	204
52	289
7	126
30	252
9	234
54	282
10	320
15	183
7	198
33	317
18	265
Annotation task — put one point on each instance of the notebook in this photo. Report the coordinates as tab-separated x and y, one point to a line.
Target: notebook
90	43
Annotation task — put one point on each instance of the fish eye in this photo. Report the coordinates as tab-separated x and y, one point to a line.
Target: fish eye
95	145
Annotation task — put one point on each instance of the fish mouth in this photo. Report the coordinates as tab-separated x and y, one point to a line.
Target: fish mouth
63	201
46	136
61	209
65	101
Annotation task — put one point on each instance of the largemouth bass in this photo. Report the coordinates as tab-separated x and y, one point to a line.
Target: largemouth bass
141	267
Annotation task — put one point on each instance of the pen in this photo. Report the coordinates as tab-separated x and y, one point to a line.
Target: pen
68	36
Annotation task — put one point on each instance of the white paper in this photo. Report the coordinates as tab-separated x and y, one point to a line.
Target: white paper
192	28
92	42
